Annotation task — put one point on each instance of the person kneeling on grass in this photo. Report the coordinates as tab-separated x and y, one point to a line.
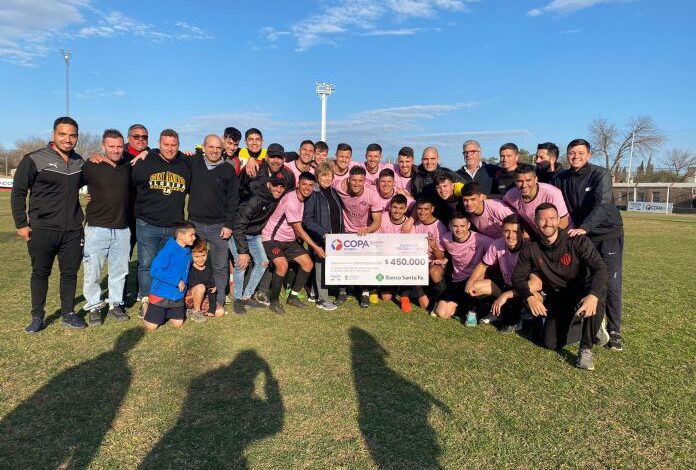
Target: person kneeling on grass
396	220
169	271
202	293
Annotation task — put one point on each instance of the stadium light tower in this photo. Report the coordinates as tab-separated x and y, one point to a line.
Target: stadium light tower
66	55
324	90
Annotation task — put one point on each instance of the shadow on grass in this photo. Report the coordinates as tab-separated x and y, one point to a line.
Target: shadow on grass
222	416
63	424
392	411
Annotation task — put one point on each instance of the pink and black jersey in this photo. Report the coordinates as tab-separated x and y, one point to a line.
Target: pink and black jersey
545	193
296	171
499	254
388	226
288	211
371	178
357	209
401	182
466	254
490	222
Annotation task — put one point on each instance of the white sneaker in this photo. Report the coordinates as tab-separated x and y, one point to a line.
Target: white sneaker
326	305
488	319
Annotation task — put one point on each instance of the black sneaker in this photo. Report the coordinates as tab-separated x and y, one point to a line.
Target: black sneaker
118	313
263	298
94	318
73	321
238	307
276	307
37	324
253	303
340	300
364	301
295	302
615	343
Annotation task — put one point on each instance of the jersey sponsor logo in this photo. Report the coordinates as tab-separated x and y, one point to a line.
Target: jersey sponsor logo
566	259
167	182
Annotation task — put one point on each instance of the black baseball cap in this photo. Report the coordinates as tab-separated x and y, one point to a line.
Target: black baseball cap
275	150
278	179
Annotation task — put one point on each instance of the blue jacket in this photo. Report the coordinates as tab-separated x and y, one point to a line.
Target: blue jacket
170	266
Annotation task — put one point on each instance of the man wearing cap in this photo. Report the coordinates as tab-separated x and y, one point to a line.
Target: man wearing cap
273	163
474	169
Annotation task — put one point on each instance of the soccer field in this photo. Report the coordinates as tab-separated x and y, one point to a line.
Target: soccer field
353	388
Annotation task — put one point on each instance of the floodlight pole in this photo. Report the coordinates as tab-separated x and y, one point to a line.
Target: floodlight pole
324	90
630	159
66	55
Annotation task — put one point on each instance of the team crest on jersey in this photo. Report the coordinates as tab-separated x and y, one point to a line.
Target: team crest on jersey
566	259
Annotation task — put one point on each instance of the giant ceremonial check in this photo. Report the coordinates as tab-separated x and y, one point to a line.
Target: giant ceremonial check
377	260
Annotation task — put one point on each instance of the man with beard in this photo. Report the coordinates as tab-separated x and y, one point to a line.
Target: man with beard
546	161
273	163
373	164
404	169
474	169
423	183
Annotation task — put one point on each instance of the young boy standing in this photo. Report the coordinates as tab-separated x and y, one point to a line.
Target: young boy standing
169	271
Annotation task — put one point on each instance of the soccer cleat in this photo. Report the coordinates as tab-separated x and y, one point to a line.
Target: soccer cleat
118	313
364	301
585	359
94	318
71	320
374	297
276	307
326	305
340	299
614	342
37	324
295	301
602	335
488	319
239	307
405	304
470	319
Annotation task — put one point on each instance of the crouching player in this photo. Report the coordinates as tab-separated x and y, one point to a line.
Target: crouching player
466	249
201	293
169	270
429	225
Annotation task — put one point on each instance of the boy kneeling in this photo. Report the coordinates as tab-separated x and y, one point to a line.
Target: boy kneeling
169	270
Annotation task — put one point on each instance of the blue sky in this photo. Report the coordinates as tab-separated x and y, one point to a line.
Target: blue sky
407	72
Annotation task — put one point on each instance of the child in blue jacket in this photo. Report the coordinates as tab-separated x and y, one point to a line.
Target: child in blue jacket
169	270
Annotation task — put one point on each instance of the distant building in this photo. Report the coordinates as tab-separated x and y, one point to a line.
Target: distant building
681	195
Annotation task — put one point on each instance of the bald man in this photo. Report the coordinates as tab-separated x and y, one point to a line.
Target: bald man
213	201
423	183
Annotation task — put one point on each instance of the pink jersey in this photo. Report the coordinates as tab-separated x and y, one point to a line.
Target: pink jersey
288	211
402	182
371	178
296	171
498	254
467	254
338	178
545	193
437	229
490	222
357	209
388	226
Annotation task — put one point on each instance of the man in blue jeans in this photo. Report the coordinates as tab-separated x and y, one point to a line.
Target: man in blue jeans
107	236
161	182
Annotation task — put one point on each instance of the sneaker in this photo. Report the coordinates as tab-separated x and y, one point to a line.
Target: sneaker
585	359
197	316
374	297
300	295
508	329
239	307
340	300
252	303
614	342
276	308
118	313
602	335
295	301
326	305
37	324
263	298
73	321
312	296
364	301
488	319
405	304
94	318
470	319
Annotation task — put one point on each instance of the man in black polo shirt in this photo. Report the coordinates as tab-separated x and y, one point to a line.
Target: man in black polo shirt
588	194
574	279
213	201
52	178
107	235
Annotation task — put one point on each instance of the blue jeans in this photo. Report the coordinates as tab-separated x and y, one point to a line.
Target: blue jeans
219	258
151	239
111	245
258	254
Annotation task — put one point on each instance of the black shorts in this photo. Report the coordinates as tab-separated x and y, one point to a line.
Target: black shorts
455	293
158	315
290	250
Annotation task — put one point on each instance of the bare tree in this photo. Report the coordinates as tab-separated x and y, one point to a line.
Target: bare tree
678	161
614	144
88	144
23	147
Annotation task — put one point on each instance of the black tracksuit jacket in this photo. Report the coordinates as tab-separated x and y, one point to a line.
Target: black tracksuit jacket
251	217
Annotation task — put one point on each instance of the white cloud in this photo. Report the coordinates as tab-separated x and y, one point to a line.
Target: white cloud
94	94
569	6
570	31
339	18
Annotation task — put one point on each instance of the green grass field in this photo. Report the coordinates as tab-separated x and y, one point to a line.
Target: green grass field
354	389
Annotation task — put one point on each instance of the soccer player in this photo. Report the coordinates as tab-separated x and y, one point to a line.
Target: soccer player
434	229
321	153
574	279
304	160
280	242
387	190
373	164
447	202
394	220
404	169
529	194
466	249
342	163
587	191
486	215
